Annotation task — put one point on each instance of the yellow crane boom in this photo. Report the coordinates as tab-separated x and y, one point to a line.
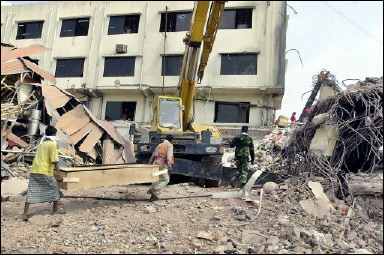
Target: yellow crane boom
193	41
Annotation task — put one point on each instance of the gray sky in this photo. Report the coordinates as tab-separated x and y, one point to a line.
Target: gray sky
345	38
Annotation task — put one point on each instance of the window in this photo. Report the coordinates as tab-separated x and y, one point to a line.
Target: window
29	30
171	65
176	21
70	67
227	112
236	19
128	24
120	111
74	27
119	66
238	64
85	103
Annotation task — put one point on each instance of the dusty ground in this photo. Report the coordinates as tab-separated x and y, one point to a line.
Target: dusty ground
186	225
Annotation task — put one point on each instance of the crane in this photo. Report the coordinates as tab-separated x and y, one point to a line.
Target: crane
196	154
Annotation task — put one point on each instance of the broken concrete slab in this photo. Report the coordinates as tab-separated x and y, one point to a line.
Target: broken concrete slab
205	235
253	237
13	186
321	197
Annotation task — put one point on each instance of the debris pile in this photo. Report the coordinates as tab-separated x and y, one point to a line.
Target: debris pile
29	105
343	134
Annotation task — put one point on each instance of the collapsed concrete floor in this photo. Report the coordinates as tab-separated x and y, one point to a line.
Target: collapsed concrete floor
121	219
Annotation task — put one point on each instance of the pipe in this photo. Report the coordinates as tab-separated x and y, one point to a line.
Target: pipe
142	66
34	121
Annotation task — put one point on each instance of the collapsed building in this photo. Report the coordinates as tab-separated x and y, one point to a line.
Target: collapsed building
341	138
29	105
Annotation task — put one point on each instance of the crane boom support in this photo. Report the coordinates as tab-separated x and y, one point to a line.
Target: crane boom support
193	41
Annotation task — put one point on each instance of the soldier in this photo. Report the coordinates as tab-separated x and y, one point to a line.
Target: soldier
244	149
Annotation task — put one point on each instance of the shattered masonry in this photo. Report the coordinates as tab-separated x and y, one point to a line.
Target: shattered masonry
29	104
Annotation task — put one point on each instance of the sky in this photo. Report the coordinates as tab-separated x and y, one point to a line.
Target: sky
343	37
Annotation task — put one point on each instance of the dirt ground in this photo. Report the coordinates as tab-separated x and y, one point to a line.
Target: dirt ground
129	223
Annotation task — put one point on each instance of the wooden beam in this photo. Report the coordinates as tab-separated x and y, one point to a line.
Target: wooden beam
108	175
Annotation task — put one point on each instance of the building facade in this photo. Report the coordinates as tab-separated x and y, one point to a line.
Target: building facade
116	56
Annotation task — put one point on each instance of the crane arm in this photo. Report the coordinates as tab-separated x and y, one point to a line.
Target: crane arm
193	41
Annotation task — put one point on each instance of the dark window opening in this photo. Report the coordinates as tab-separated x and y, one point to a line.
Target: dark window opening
119	66
120	111
236	19
85	103
29	30
238	64
227	112
128	24
176	21
74	27
171	65
35	61
70	67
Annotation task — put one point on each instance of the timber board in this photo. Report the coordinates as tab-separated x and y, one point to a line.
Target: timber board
108	175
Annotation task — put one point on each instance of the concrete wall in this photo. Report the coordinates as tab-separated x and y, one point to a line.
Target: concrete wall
266	38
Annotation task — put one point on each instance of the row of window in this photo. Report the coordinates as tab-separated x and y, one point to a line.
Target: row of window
225	112
127	24
231	64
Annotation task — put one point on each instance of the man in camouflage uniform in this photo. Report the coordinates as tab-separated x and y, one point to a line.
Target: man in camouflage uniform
244	149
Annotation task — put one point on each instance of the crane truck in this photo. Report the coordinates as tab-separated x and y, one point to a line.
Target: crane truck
198	148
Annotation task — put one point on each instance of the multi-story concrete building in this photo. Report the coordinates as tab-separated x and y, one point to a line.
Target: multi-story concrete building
116	56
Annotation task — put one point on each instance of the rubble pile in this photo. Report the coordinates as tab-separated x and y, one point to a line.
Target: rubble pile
29	105
343	134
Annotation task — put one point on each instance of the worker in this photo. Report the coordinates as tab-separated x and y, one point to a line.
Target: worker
244	149
293	117
43	186
163	157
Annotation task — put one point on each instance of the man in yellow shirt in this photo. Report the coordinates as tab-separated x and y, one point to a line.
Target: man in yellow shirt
44	174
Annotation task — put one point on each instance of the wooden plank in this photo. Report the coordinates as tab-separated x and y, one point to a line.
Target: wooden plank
159	173
97	176
102	167
71	179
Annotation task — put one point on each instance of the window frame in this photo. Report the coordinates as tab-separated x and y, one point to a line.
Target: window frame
165	62
172	18
237	19
239	106
75	28
19	33
114	111
124	29
70	65
237	64
129	58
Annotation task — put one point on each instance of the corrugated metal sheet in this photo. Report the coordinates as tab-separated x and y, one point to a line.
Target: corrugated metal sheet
76	137
110	154
91	140
6	48
108	127
13	67
55	96
40	71
22	52
92	153
17	140
29	80
48	107
73	120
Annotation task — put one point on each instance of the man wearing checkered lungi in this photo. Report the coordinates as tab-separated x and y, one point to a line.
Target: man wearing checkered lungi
43	179
164	158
